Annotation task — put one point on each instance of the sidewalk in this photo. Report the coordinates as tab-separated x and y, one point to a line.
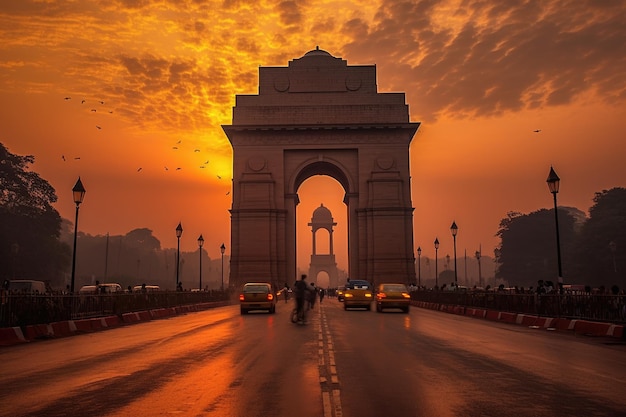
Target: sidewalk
583	327
16	335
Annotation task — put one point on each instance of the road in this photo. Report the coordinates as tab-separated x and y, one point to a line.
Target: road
341	364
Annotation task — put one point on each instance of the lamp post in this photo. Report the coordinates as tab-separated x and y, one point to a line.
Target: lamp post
200	243
454	229
553	184
79	193
436	272
496	259
419	266
222	250
480	277
179	233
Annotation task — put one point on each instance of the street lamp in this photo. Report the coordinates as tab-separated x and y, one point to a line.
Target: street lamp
553	184
179	233
419	266
454	229
480	277
436	250
200	243
79	193
222	250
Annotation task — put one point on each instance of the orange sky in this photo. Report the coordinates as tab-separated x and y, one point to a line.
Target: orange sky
481	76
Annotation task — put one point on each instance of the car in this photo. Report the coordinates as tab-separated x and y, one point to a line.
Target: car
392	296
146	288
340	292
257	296
358	293
108	288
28	286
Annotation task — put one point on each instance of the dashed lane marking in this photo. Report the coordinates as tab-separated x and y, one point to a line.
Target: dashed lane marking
329	380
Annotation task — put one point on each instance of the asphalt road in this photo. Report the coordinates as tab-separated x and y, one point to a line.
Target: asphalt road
341	364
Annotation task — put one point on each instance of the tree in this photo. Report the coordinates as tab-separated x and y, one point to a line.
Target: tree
528	245
29	225
600	253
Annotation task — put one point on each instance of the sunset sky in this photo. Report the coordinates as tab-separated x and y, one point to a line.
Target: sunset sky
159	78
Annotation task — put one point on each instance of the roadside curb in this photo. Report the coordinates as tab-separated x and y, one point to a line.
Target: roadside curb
583	327
10	336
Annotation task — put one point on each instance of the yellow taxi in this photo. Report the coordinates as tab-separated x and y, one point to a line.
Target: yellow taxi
393	296
358	293
257	296
340	292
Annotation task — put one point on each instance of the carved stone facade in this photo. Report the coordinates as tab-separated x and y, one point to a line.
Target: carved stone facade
320	116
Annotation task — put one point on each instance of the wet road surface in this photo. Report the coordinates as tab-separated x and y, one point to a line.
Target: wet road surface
341	364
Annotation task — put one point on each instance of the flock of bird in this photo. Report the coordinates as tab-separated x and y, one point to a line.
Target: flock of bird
176	147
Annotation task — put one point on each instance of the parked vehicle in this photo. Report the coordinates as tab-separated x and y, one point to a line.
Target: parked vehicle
29	286
146	288
108	288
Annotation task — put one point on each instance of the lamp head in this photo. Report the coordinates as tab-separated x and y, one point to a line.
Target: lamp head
78	191
436	243
454	228
200	241
553	181
179	230
222	249
419	250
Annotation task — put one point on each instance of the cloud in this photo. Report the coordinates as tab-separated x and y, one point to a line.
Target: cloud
485	58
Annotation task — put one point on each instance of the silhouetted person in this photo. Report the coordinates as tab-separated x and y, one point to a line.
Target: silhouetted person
300	290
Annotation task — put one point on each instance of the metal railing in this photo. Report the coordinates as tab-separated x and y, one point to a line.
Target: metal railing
597	307
29	309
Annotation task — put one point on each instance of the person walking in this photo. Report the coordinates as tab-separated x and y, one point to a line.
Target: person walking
300	292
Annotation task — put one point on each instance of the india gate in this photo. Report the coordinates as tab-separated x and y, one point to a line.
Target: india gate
321	116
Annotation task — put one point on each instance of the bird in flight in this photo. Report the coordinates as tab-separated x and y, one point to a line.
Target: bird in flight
167	169
68	98
82	101
174	147
93	109
77	157
228	193
138	169
537	130
207	161
196	150
219	178
63	158
101	102
98	127
178	169
179	141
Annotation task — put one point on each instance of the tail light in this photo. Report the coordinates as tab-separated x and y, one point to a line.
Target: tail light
381	295
241	297
270	296
406	295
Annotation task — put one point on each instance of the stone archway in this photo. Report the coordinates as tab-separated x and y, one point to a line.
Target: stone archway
322	219
320	116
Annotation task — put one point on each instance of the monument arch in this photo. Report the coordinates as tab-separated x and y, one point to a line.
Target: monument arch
320	116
